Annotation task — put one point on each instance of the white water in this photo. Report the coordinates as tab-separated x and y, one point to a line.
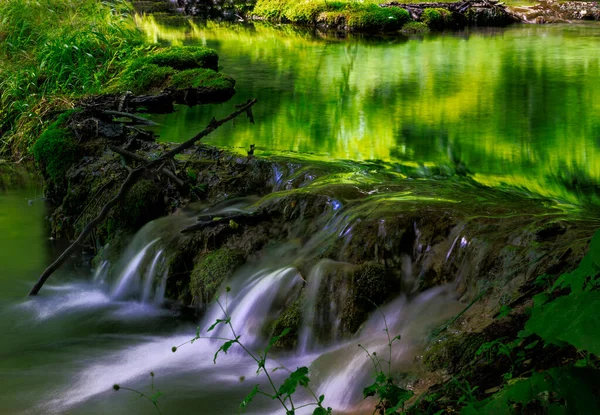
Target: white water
258	293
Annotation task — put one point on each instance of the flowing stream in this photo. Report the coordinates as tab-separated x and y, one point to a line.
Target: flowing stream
514	107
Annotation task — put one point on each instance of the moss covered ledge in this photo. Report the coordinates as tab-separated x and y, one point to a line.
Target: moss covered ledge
370	16
189	74
345	14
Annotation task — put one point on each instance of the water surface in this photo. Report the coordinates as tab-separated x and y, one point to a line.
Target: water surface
515	106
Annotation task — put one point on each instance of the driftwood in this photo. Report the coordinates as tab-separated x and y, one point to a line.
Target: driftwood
131	179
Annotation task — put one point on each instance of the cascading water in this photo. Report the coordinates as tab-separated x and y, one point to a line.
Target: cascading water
278	275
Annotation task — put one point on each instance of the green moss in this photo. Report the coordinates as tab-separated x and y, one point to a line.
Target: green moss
143	203
436	18
291	318
185	57
371	17
415	28
371	285
211	270
453	352
202	78
176	67
140	77
55	150
350	14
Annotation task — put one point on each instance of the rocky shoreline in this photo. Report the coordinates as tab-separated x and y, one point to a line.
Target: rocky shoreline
461	13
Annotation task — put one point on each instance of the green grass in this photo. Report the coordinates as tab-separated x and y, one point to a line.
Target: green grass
354	15
52	51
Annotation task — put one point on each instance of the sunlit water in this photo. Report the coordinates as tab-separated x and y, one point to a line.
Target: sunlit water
516	105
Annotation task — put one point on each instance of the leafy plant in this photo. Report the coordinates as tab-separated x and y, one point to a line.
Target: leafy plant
153	398
391	397
285	392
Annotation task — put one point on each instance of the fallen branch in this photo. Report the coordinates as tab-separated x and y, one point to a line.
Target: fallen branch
142	159
130	180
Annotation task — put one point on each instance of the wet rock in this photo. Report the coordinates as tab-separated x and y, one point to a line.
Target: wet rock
290	318
557	12
211	271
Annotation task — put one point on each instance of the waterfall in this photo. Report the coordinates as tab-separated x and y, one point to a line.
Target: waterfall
316	319
129	279
255	304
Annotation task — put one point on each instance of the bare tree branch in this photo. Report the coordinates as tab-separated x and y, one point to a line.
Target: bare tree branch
130	180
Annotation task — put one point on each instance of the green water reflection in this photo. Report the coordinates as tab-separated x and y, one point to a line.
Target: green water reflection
23	240
516	106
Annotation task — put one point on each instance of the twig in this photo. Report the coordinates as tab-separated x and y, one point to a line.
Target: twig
131	179
127	184
140	120
136	157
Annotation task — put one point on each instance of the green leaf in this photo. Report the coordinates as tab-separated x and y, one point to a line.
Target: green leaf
573	318
155	396
216	323
248	398
594	251
274	340
320	411
396	395
298	377
225	347
570	387
371	390
504	311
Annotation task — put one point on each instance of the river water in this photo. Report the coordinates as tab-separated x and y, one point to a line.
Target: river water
513	108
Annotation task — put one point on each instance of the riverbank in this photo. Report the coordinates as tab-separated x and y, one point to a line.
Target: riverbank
48	66
409	18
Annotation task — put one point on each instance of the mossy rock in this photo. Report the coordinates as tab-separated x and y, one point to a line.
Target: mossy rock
350	15
372	17
201	78
171	67
211	270
290	318
371	286
185	57
143	76
55	150
453	352
143	203
437	18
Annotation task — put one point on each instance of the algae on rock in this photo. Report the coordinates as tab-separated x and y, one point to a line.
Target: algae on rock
212	270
